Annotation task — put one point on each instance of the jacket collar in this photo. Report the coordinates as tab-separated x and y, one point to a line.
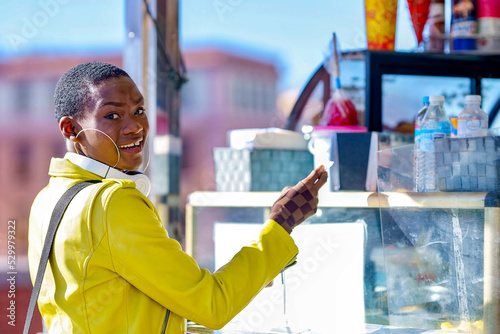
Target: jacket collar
60	167
77	167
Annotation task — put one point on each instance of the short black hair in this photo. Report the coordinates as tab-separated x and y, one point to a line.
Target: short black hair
73	88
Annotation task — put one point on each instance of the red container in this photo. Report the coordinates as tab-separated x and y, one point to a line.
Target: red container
488	8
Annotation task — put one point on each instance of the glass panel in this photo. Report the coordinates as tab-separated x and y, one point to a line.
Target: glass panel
434	268
207	217
490	91
374	285
401	104
433	256
395	169
326	291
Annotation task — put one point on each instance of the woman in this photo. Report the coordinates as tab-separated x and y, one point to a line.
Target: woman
113	268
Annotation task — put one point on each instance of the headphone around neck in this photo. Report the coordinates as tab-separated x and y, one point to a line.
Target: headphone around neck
142	182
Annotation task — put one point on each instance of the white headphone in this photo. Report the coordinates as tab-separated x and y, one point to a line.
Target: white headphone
141	180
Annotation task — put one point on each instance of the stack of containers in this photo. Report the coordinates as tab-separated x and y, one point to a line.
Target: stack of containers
488	25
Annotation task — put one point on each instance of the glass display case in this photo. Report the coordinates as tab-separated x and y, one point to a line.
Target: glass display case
368	262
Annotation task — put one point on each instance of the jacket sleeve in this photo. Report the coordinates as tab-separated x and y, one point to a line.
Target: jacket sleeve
144	255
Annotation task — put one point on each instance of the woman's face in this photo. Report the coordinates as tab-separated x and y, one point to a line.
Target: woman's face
115	107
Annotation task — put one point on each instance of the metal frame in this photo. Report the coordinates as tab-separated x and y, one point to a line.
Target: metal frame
320	75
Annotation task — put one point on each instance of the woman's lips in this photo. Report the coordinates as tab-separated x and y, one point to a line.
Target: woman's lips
133	149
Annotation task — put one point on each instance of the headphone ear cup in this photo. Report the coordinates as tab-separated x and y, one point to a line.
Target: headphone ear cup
142	183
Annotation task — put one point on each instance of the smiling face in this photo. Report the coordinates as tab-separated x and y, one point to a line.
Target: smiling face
115	107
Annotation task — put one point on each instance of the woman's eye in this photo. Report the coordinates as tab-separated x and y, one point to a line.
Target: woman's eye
111	116
140	111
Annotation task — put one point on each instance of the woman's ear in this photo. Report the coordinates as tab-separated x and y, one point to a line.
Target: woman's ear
68	128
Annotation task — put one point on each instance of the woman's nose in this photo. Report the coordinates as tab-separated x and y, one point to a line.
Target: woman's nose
132	126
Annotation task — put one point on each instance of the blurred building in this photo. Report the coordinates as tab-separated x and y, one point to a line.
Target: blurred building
225	91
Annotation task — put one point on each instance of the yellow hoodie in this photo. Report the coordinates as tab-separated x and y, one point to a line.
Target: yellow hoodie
114	269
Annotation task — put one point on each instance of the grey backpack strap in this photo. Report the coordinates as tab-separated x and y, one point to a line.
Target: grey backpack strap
55	219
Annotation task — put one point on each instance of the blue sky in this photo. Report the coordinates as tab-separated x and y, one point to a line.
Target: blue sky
296	31
28	26
292	33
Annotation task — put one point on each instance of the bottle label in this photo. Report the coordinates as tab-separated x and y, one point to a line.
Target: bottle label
454	126
431	132
472	127
465	28
464	18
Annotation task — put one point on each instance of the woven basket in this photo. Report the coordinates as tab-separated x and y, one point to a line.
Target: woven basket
468	164
260	169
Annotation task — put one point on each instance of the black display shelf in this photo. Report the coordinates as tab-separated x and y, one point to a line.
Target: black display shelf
379	63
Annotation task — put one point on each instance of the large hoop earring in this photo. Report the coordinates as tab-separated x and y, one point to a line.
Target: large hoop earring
116	146
149	154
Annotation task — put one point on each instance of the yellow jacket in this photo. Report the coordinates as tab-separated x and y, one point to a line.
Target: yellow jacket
114	269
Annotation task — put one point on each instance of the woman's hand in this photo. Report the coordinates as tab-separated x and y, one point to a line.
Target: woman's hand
300	202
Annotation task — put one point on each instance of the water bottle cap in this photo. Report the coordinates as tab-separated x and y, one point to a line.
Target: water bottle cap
436	98
425	99
472	98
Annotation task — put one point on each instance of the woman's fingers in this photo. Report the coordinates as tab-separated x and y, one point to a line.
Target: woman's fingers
316	179
300	202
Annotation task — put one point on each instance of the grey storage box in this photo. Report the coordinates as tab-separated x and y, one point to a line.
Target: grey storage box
260	169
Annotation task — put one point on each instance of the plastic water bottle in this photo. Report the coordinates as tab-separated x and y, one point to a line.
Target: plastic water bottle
472	121
435	124
416	158
420	116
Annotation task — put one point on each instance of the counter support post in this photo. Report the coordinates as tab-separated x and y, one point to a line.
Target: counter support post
492	270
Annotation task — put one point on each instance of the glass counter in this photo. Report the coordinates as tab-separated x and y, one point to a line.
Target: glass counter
416	261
